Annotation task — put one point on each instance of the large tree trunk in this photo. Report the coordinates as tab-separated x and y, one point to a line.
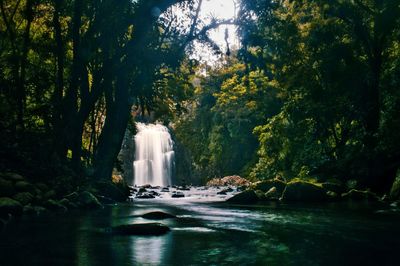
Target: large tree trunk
110	140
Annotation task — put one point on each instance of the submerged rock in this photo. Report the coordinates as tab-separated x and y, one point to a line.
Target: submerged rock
304	191
244	197
355	194
147	229
9	206
157	215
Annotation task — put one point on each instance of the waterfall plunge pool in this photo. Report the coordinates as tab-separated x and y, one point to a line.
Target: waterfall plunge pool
209	231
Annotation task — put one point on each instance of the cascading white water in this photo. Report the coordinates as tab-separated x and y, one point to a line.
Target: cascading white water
154	156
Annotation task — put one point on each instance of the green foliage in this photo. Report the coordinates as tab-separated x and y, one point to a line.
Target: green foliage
336	65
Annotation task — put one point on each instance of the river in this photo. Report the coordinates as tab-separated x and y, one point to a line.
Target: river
208	231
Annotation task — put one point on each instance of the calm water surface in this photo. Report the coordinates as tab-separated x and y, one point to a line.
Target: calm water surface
210	232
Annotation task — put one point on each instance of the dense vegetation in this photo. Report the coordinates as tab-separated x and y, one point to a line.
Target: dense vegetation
317	82
312	92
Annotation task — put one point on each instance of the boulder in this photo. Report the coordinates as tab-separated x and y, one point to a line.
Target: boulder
147	229
261	195
395	190
157	215
24	197
87	200
244	197
142	190
34	210
23	186
225	191
42	186
49	194
67	203
53	205
6	188
165	189
112	191
13	177
145	195
304	191
9	206
266	185
177	194
334	187
355	194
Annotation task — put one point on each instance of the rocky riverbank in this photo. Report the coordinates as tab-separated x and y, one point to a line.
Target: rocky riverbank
19	196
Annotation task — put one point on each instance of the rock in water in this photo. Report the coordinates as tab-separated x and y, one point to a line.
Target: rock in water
157	215
177	194
149	229
245	197
9	206
266	185
304	191
145	195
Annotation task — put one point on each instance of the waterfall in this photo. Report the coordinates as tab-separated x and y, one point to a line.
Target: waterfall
154	155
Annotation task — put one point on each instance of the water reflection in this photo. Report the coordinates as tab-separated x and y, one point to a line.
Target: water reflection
151	250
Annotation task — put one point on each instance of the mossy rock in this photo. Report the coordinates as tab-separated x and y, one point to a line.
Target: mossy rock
23	186
34	210
9	206
146	229
49	194
42	186
13	177
112	191
244	197
304	191
87	200
24	197
355	194
266	185
55	206
6	188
